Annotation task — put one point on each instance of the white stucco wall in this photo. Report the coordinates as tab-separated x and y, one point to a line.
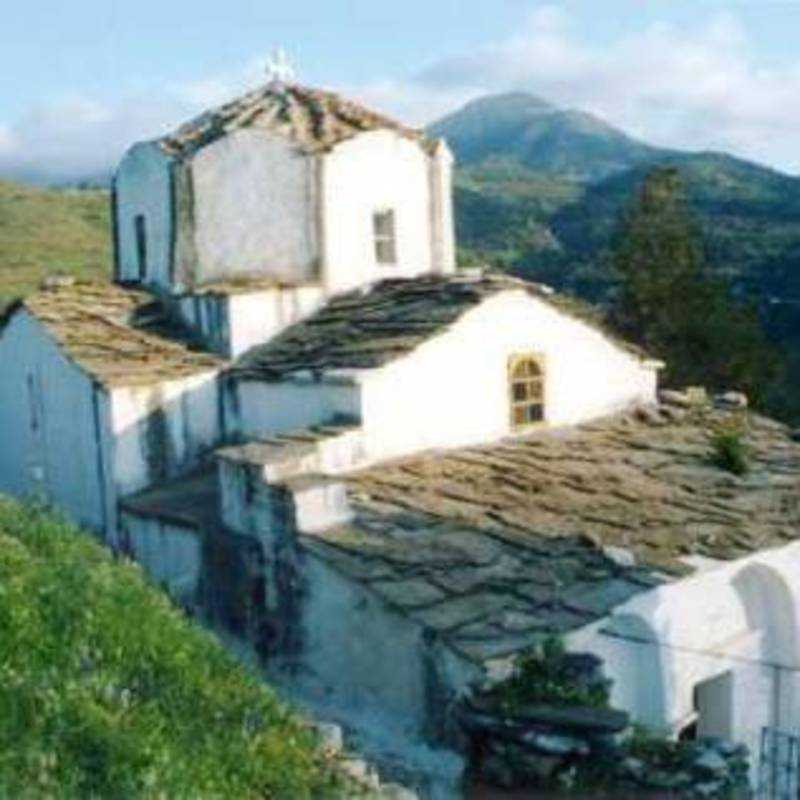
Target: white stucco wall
739	618
375	171
171	555
254	208
352	658
163	430
233	323
453	390
143	186
267	408
50	412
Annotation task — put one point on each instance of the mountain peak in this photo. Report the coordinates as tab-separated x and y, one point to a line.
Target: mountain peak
523	128
508	102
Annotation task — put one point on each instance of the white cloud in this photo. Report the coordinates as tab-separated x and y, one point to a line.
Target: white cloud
74	136
694	88
697	88
77	137
7	142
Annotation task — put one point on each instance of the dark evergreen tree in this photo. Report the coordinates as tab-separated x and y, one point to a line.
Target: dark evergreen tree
667	300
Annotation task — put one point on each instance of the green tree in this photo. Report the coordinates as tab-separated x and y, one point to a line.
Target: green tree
668	301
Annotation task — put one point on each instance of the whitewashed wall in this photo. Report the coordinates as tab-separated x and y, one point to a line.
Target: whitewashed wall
453	390
374	171
737	618
233	323
261	408
442	220
51	422
143	186
256	318
254	208
352	656
164	429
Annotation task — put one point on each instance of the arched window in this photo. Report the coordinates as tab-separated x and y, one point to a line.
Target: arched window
526	388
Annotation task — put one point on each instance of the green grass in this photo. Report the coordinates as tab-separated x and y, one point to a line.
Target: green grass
43	231
108	691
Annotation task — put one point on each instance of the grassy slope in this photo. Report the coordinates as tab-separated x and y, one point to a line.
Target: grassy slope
106	690
51	230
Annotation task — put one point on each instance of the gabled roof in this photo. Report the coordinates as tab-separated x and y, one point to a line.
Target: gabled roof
120	337
313	119
368	328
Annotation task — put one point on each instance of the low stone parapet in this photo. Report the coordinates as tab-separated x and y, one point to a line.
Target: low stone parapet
538	746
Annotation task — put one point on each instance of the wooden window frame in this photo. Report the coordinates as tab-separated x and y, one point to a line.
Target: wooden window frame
384	233
527	391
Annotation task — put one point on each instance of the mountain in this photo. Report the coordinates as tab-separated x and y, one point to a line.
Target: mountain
541	188
541	137
540	191
51	230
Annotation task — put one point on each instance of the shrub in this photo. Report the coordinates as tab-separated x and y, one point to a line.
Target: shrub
107	690
728	448
543	675
657	750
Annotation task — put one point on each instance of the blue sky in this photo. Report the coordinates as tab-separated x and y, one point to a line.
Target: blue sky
91	76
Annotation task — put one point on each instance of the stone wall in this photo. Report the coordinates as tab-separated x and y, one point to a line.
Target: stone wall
526	746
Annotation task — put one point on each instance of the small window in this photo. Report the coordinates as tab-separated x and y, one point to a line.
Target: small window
141	245
526	391
384	230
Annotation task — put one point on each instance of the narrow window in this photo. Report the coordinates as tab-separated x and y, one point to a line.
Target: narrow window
33	403
384	230
526	390
141	245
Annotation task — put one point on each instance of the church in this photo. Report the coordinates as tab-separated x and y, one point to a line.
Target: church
432	467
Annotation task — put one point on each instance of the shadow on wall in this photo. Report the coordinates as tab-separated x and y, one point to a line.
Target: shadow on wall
645	691
164	431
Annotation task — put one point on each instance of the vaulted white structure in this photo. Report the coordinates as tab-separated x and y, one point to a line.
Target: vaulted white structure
286	186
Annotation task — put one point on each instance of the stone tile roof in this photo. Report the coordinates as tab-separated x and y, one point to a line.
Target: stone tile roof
370	327
646	485
486	596
313	119
493	546
119	336
190	502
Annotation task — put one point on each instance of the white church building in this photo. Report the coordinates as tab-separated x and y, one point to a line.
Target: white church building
437	466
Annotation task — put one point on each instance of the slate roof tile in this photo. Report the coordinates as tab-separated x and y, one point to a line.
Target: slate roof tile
313	119
121	337
368	328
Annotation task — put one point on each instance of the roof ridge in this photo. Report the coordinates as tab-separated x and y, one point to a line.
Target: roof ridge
369	326
316	119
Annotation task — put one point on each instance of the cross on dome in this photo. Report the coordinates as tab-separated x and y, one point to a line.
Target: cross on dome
279	70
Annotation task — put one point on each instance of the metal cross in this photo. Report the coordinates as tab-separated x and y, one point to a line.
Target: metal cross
279	69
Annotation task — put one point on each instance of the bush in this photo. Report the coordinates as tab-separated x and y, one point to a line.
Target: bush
107	690
656	750
729	450
543	676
